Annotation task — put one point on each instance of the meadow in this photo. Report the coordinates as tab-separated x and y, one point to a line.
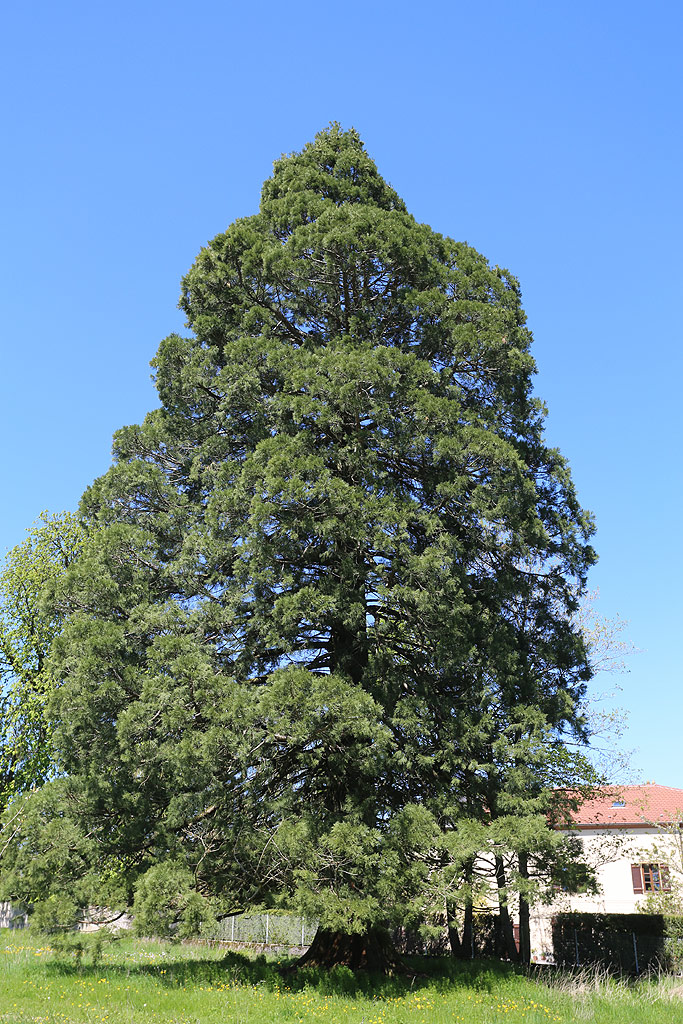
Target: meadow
144	982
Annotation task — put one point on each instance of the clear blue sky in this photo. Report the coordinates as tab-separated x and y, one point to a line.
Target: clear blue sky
549	136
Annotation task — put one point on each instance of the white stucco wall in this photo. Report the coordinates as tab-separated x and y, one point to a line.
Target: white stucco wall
611	852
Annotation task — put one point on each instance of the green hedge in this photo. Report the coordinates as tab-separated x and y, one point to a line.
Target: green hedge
627	943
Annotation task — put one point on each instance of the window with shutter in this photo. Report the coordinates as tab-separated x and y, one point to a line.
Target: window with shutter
650	878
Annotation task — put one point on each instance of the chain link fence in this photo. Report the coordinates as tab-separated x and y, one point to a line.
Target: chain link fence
263	929
266	929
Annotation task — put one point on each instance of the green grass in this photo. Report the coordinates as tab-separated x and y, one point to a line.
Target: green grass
140	982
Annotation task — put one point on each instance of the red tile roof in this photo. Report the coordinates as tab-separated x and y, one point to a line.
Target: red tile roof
631	805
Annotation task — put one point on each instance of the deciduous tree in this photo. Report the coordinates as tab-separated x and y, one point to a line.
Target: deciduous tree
27	630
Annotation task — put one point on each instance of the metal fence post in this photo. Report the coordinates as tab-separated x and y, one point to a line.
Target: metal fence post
232	935
635	952
267	923
576	948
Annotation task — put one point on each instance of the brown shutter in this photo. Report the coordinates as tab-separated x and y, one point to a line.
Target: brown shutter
637	878
515	933
665	877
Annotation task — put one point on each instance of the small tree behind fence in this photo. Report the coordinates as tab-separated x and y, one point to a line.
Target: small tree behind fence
12	916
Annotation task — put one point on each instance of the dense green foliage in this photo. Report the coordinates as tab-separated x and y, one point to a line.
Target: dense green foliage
321	647
27	630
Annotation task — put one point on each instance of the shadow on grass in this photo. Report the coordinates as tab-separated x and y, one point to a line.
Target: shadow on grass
441	973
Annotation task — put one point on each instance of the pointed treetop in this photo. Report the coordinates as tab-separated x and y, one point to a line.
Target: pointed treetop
335	169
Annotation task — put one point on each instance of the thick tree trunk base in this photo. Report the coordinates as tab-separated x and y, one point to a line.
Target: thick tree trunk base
371	951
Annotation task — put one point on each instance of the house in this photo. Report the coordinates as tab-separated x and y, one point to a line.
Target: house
632	836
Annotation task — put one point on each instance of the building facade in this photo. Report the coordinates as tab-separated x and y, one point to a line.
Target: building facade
632	837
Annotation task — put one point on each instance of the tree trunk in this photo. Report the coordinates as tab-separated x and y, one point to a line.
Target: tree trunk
453	937
461	947
524	929
468	932
371	951
505	922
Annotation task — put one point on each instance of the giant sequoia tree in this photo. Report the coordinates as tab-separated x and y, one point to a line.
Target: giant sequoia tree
326	622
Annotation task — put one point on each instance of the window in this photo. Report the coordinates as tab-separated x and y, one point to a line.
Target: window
650	878
619	803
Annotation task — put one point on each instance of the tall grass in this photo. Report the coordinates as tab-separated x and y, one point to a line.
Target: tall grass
141	982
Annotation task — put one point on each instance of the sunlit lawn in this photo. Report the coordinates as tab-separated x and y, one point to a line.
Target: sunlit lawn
140	982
